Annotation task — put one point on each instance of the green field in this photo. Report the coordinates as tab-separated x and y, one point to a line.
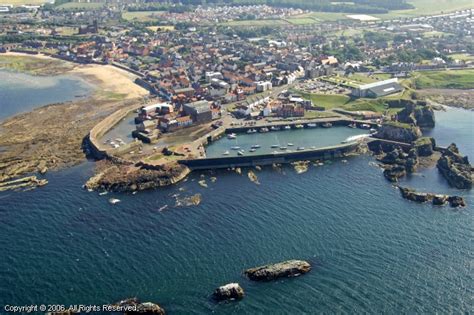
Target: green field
23	2
327	101
462	57
301	21
256	23
429	7
448	79
142	16
81	6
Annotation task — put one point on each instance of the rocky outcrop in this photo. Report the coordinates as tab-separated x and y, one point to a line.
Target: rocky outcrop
399	163
123	178
416	113
231	291
400	132
437	200
455	168
290	268
133	306
424	146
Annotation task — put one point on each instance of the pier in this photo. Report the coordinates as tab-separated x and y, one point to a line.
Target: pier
332	152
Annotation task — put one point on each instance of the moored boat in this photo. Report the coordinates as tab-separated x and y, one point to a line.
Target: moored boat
311	125
275	128
299	126
240	152
235	148
264	129
231	136
327	125
287	127
250	131
226	153
274	146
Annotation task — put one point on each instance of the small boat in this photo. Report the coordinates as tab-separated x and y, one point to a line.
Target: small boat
235	148
287	127
240	152
299	126
256	146
274	146
103	193
300	148
365	126
372	130
114	200
283	148
290	144
226	153
231	136
275	128
353	125
250	131
264	129
327	125
312	125
252	150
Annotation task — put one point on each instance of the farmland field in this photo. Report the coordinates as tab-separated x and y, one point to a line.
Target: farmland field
462	57
256	23
142	16
301	21
23	2
449	79
429	7
81	5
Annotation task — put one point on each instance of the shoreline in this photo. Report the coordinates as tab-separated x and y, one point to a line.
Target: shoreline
51	136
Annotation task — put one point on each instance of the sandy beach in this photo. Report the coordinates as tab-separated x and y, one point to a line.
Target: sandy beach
107	78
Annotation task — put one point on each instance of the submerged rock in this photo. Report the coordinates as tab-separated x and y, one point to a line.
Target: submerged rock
437	200
253	177
440	200
455	168
395	172
231	291
290	268
412	195
301	166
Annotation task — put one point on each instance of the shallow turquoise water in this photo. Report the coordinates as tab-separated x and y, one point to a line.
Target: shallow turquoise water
372	251
20	92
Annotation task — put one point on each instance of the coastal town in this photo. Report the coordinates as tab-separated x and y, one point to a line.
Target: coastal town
157	90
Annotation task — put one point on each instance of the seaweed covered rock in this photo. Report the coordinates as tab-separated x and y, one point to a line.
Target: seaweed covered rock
395	172
134	306
401	132
424	146
290	268
231	291
437	200
455	168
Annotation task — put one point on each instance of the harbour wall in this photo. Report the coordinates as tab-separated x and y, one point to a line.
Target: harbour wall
326	153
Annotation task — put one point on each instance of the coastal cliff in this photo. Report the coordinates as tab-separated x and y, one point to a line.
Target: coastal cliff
456	168
401	132
416	113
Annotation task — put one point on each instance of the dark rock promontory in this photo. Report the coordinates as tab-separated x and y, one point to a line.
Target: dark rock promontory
456	168
437	200
401	132
424	146
290	268
140	308
231	291
417	113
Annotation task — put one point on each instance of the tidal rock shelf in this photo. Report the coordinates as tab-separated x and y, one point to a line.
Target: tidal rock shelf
456	168
231	291
289	268
437	200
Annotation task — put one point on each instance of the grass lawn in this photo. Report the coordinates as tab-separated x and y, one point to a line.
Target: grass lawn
256	23
23	2
142	16
302	21
448	79
462	57
324	16
35	66
81	6
428	7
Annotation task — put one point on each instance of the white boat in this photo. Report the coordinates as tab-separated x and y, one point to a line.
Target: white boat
114	200
252	150
365	126
226	153
283	148
299	126
256	146
312	125
355	138
231	136
264	129
103	193
235	148
327	125
290	144
240	152
353	125
287	127
274	146
275	128
300	148
251	131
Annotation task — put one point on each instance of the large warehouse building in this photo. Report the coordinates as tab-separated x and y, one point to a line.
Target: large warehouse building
378	89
